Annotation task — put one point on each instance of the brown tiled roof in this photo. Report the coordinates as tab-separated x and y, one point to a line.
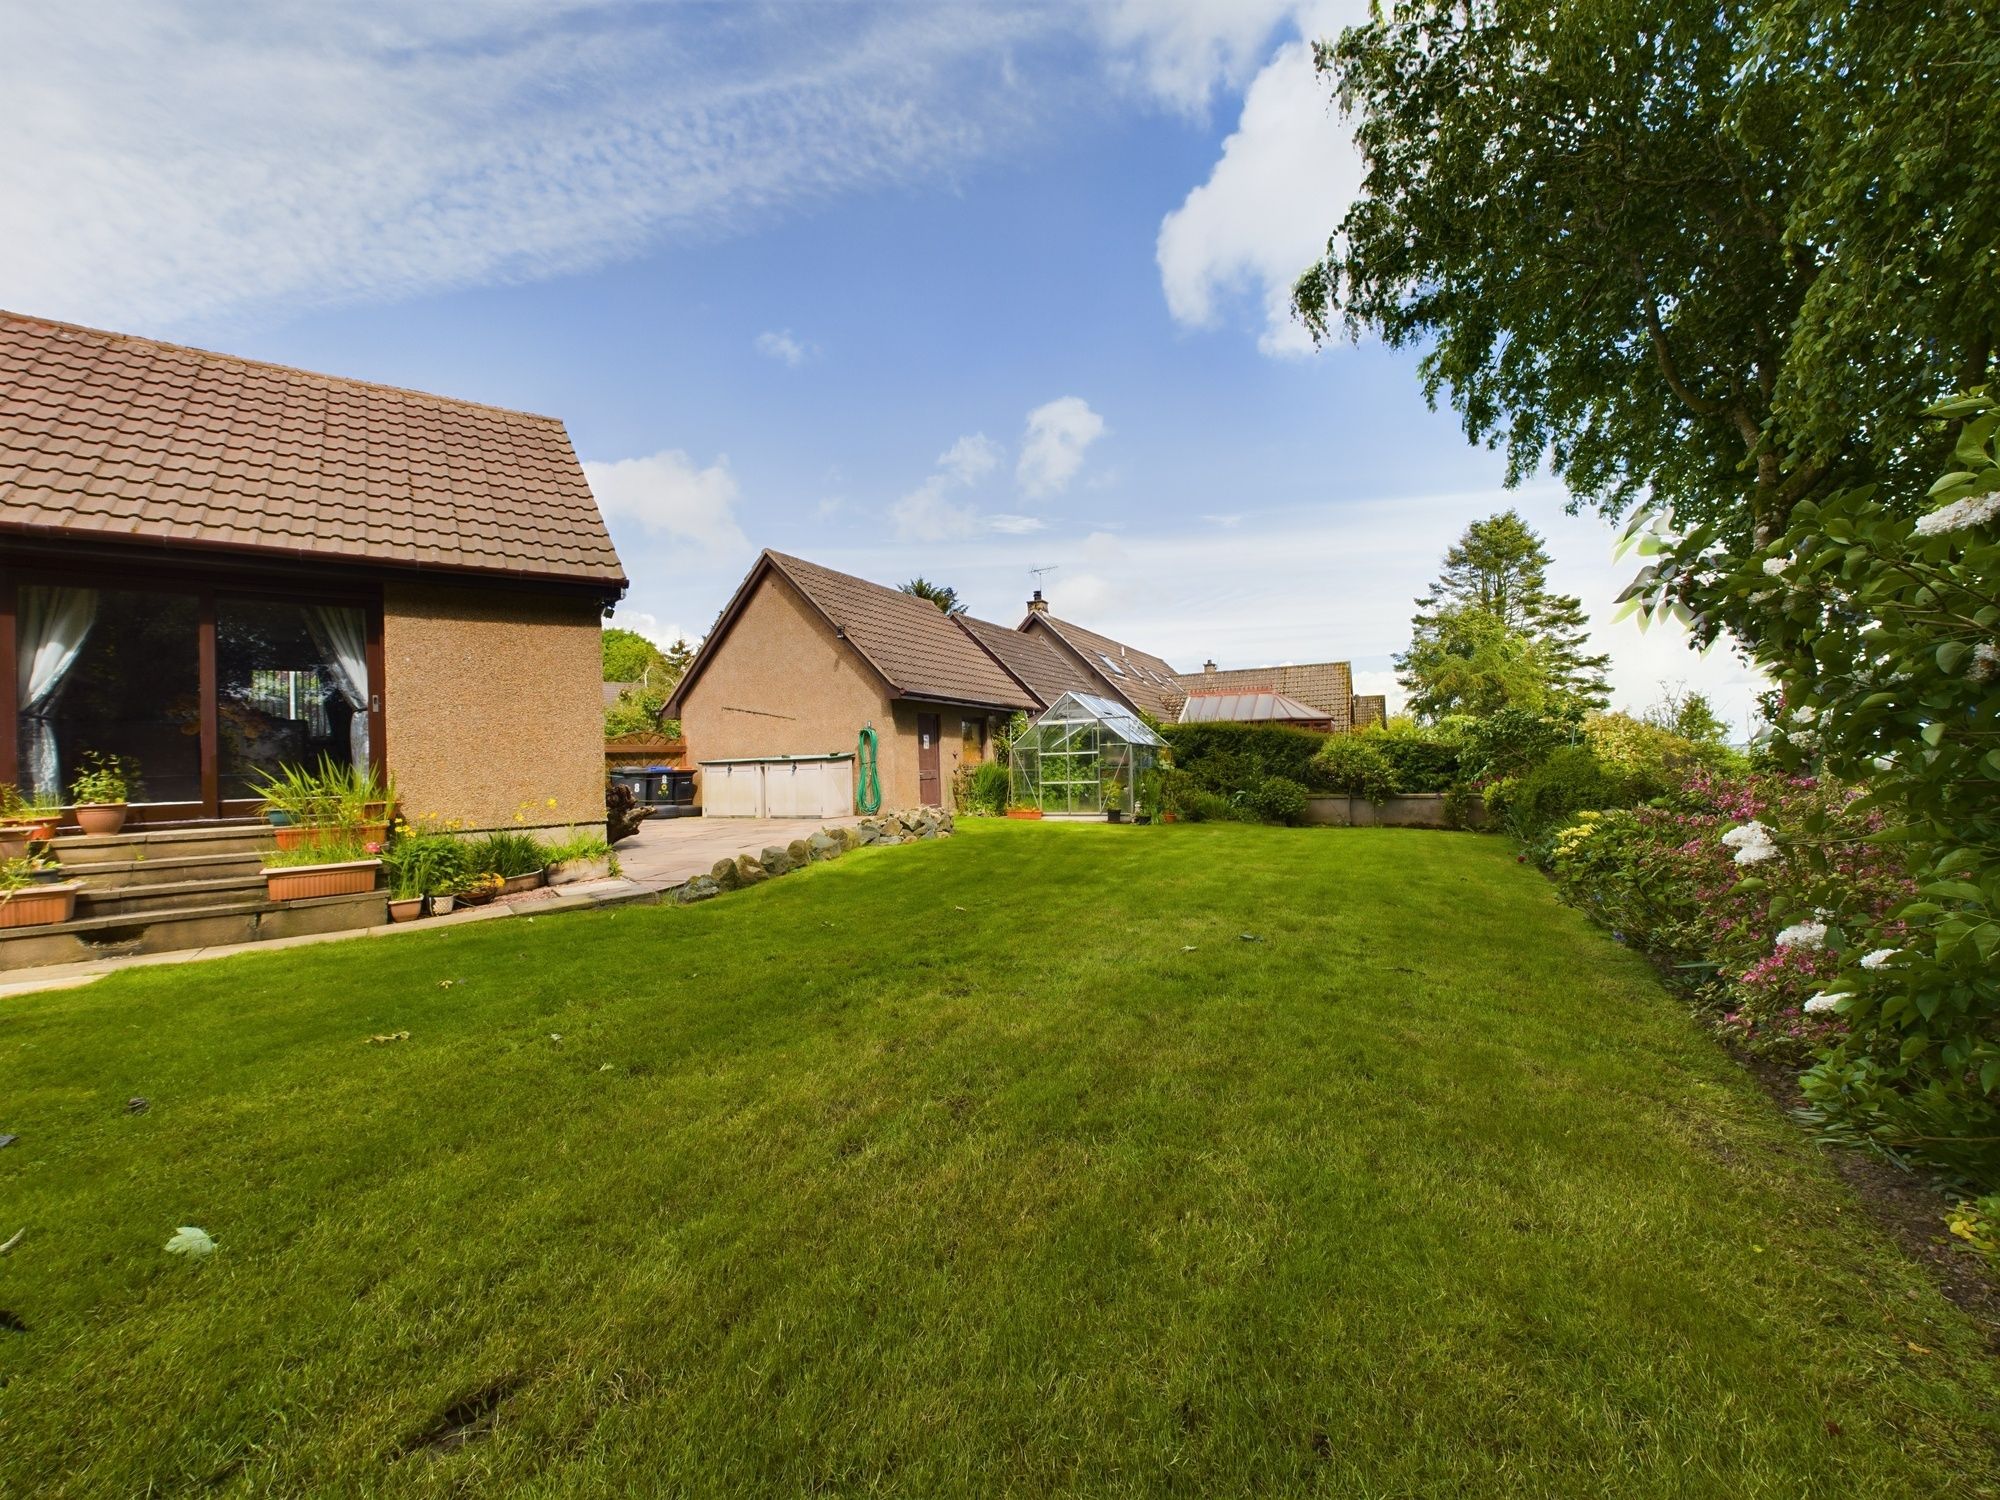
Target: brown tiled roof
109	437
1031	660
1249	708
1140	678
908	640
1325	685
1370	708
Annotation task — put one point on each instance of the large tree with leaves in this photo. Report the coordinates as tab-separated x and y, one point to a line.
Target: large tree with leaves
944	597
1713	255
1492	603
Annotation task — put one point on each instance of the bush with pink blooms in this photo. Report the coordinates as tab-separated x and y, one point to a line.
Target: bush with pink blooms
1755	938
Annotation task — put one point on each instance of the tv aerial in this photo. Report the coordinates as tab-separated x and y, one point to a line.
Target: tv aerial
1045	568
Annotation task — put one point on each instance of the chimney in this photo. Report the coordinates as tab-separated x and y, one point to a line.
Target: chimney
1208	666
1038	605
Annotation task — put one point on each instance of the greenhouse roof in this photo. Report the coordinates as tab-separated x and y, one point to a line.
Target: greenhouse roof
1073	708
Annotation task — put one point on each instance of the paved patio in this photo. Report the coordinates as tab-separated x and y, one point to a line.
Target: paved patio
665	852
668	851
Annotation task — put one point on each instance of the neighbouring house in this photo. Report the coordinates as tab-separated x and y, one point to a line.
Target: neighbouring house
801	660
1144	682
214	568
1325	687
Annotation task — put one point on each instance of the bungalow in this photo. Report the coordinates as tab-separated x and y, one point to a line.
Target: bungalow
214	568
801	661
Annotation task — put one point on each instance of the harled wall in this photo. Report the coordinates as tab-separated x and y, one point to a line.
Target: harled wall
492	705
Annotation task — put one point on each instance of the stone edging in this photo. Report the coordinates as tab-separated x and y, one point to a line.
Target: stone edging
829	843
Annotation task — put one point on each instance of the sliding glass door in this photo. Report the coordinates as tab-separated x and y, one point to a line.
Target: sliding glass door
198	691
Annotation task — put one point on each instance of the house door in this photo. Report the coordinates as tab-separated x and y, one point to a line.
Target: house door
927	760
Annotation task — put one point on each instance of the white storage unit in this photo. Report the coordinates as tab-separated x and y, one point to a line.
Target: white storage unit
779	786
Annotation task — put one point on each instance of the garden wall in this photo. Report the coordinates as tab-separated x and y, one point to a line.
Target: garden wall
1403	810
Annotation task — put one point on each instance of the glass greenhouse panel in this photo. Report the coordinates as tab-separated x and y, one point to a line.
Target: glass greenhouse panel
1083	758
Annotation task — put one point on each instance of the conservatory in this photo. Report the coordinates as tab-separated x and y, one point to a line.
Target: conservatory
1085	757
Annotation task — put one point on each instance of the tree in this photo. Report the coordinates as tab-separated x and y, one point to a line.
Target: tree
1499	568
1688	714
1467	660
630	657
1714	257
944	598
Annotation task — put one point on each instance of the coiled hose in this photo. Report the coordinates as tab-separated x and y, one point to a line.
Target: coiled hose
867	779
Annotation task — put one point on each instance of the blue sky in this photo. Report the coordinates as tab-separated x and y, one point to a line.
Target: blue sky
951	289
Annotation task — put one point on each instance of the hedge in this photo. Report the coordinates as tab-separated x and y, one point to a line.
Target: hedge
1233	758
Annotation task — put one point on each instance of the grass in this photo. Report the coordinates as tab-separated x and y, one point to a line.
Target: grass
997	1166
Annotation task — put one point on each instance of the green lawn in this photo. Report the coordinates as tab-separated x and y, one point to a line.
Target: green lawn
996	1166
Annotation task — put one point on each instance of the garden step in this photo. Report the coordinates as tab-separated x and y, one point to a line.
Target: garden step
118	874
122	935
174	895
78	851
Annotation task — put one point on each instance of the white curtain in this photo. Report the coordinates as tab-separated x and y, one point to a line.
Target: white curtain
341	633
51	630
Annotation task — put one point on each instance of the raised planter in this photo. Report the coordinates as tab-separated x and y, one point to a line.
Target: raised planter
515	884
1026	814
570	871
39	905
303	882
99	818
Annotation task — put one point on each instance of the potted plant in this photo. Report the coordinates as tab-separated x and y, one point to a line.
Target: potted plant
25	821
479	889
1022	810
517	858
29	899
583	856
101	791
327	803
1111	792
323	869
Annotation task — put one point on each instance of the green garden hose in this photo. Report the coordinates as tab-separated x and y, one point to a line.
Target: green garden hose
867	780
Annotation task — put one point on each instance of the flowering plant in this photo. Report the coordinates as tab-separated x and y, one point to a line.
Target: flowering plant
1880	617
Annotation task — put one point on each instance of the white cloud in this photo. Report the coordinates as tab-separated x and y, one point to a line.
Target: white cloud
167	162
1264	215
1181	51
779	344
666	494
970	459
1010	525
661	633
1059	434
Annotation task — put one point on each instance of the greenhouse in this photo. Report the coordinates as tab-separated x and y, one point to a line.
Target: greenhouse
1085	757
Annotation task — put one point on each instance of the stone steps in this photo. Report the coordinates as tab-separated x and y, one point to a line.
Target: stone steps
163	931
79	852
229	889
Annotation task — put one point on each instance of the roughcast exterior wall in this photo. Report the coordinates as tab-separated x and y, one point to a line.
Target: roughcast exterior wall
492	705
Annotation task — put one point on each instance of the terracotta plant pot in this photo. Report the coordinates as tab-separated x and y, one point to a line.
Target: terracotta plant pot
39	905
408	909
1166	817
303	882
1024	813
14	843
301	836
100	818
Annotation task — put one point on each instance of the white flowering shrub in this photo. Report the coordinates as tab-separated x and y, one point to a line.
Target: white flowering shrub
1879	614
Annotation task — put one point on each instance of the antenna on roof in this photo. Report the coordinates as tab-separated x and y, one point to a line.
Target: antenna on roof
1045	568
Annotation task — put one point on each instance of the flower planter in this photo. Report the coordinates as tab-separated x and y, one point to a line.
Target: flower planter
406	909
515	884
1024	813
14	843
99	818
300	836
570	871
38	905
441	906
476	898
1167	817
303	882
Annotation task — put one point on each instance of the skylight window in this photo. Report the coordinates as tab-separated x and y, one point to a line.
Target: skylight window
1116	669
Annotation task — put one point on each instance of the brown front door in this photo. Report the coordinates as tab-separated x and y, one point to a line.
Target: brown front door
927	760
